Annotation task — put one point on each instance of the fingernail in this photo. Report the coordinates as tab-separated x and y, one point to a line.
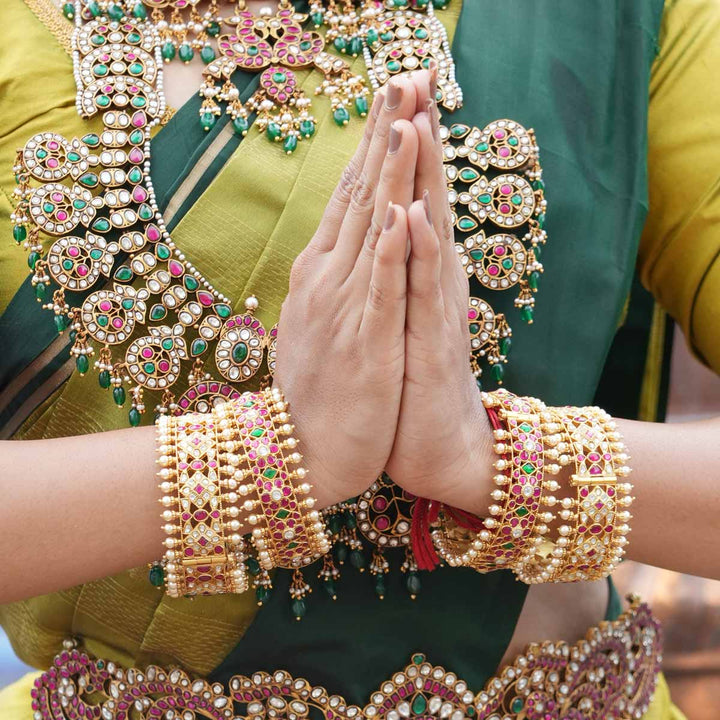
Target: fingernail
389	217
433	68
426	205
377	104
395	140
394	96
432	111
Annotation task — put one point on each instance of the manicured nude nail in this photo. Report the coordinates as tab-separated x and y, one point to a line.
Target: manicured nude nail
395	140
394	96
389	217
426	205
433	116
433	68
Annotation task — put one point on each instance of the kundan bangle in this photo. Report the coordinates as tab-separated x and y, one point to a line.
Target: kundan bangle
200	557
287	531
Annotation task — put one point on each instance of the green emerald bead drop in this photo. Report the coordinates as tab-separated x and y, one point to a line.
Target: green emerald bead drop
82	364
372	37
419	704
69	10
94	8
186	53
207	54
262	594
380	588
355	46
61	322
534	280
156	576
119	396
413	584
527	314
538	185
340	44
361	106
341	117
32	259
307	128
253	566
357	559
134	417
19	233
273	131
139	11
290	144
341	552
115	12
329	586
40	292
207	121
241	125
317	19
498	372
213	29
505	346
168	51
104	379
298	608
541	220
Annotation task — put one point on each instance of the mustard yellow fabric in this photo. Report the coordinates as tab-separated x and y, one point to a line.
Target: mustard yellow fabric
679	257
123	618
14	703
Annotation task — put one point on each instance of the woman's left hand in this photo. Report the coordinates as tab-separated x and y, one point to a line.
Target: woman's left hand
443	441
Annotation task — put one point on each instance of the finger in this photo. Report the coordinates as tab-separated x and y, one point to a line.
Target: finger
383	321
425	306
430	176
329	228
425	82
399	104
396	185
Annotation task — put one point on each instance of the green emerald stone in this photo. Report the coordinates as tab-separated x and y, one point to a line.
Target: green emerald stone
134	417
253	566
185	53
394	66
298	608
469	175
305	45
89	179
103	320
32	259
139	11
102	101
421	33
213	29
61	322
91	139
41	154
282	514
79	204
522	511
240	352
136	68
223	310
508	546
527	314
538	251
541	220
128	304
307	128
168	51
158	312
380	588
262	594
517	705
372	37
458	130
401	3
136	137
413	585
270	473
67	264
162	251
467	223
341	552
538	185
168	344
48	208
508	263
361	106
329	586
69	10
418	659
123	273
340	44
190	283
115	12
525	427
156	576
482	147
485	198
138	102
341	117
469	710
100	70
135	175
145	212
513	141
290	144
133	38
419	705
119	396
505	345
40	290
257	432
273	131
357	559
516	199
355	46
104	379
207	54
149	368
350	521
101	225
474	328
498	372
198	347
241	125
97	40
476	254
253	50
317	19
386	36
19	233
534	280
528	468
73	157
82	364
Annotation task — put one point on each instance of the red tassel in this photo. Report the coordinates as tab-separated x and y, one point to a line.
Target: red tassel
426	512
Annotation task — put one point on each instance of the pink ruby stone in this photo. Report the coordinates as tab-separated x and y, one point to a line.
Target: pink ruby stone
56	196
505	189
117	323
147	352
493	270
504	152
164	365
52	163
139	119
139	194
504	208
136	156
152	233
499	250
53	145
82	270
499	134
61	215
176	268
204	298
74	252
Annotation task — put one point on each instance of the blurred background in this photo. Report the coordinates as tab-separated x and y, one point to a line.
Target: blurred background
688	607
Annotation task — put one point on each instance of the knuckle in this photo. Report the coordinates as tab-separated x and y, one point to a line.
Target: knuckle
371	238
448	227
377	297
347	181
363	193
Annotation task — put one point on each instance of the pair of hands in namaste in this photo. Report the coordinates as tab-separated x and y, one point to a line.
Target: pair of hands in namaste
373	342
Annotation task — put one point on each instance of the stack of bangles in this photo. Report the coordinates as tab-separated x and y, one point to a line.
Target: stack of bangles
235	461
542	530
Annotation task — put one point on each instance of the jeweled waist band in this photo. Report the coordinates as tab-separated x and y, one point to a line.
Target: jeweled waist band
612	673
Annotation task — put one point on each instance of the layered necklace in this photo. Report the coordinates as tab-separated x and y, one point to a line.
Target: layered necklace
156	321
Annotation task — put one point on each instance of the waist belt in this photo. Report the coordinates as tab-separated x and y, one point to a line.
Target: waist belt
612	673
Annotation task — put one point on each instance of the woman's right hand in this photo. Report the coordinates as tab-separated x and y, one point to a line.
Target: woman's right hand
341	348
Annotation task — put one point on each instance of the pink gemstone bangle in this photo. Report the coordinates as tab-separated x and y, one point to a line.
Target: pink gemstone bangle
287	531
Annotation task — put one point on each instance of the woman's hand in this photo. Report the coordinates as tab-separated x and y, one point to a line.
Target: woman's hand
443	442
341	344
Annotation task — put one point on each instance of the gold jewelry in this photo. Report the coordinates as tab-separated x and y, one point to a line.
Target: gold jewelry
205	554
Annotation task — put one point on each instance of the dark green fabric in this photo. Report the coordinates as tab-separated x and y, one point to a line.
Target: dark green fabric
615	604
579	74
